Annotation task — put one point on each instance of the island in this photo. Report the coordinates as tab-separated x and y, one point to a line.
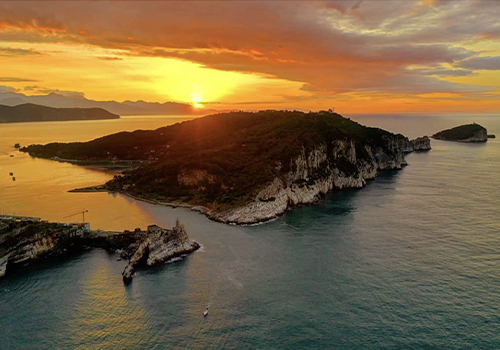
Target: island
464	133
27	240
29	112
243	167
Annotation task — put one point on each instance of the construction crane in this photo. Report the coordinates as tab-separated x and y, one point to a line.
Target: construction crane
81	212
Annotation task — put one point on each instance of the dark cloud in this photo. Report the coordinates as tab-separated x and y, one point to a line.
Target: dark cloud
109	58
15	80
13	52
344	6
481	63
443	72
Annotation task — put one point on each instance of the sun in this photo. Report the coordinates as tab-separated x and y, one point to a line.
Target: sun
196	99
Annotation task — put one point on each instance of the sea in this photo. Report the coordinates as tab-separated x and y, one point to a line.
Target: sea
411	261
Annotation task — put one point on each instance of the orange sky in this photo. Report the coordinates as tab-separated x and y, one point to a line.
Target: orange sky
357	56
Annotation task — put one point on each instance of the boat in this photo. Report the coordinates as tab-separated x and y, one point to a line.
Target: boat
205	313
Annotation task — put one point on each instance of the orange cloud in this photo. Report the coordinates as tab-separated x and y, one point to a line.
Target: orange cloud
330	48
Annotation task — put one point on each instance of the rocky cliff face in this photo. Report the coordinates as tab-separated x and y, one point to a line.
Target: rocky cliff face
3	265
316	172
421	143
418	144
478	136
23	242
157	246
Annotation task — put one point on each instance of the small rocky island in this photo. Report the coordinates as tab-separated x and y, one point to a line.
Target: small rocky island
25	241
464	133
243	167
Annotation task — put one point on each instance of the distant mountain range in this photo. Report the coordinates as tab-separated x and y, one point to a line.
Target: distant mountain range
29	112
121	108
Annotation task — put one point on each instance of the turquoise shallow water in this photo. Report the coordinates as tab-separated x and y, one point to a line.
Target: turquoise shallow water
411	261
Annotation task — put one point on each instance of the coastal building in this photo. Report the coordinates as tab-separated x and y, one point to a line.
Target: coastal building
84	225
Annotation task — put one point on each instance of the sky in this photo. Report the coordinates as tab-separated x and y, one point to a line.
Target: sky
371	56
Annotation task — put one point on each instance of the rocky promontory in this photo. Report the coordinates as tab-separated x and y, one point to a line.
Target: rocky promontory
25	241
157	246
244	167
463	133
418	144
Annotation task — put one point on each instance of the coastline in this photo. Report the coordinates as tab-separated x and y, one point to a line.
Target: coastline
338	153
102	188
196	208
216	217
107	164
28	240
300	186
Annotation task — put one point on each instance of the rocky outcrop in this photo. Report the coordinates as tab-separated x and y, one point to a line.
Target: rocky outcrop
157	246
26	241
464	133
316	172
421	143
418	144
3	265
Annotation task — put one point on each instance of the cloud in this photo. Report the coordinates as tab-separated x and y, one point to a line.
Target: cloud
331	47
72	94
444	72
44	90
110	58
15	80
344	6
13	52
481	63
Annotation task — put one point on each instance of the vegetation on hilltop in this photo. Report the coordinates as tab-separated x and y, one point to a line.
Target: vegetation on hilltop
222	159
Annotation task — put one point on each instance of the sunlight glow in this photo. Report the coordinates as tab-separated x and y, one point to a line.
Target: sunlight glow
123	77
196	98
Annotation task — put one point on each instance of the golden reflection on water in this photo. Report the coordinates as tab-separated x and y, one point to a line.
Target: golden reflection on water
104	313
41	186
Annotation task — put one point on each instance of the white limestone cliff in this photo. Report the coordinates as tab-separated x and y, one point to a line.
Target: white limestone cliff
319	171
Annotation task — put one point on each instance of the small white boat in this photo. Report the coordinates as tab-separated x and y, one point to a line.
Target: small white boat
205	313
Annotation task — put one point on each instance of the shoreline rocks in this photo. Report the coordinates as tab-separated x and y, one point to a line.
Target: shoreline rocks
25	241
319	171
157	246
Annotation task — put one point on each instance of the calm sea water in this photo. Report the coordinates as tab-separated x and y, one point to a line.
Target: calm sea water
412	261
